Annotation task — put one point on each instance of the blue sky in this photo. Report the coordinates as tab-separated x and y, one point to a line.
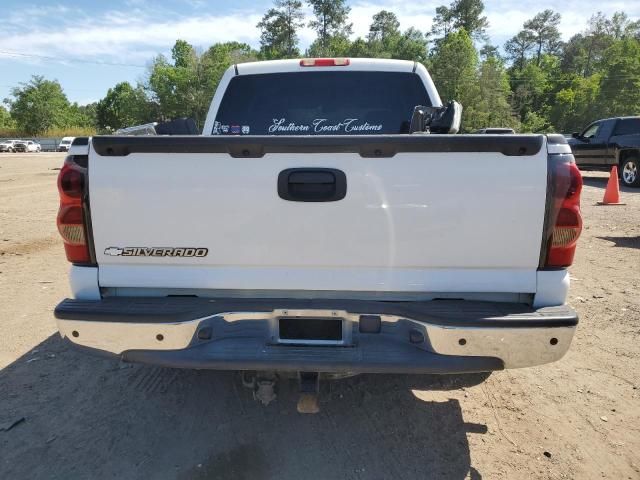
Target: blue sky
89	46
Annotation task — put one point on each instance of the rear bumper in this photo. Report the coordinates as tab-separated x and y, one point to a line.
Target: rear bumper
242	334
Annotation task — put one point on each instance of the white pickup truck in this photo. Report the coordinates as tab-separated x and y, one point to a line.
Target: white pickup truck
306	230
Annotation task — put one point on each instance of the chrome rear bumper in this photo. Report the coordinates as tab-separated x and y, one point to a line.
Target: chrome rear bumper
414	337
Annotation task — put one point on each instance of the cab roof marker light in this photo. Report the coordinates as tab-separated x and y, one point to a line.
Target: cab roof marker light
324	62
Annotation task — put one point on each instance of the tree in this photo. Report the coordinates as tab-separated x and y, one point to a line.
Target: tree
519	47
6	121
39	105
123	106
544	32
278	38
359	48
183	54
186	86
585	50
490	51
492	108
620	85
453	68
443	22
533	86
330	21
384	27
384	34
620	27
465	14
575	105
411	45
83	116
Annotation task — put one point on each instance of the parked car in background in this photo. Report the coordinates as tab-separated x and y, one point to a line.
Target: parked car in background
608	142
65	143
27	146
9	145
496	130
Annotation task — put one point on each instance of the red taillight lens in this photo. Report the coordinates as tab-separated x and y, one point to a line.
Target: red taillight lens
566	216
324	62
71	217
71	181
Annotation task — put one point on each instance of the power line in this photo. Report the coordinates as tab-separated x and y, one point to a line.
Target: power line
70	60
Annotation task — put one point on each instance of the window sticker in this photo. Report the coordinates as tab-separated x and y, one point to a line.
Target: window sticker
234	129
245	129
323	125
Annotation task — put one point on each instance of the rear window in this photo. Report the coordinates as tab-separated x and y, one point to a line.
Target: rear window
320	103
627	126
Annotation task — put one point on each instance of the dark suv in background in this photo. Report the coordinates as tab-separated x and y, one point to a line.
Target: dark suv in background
607	142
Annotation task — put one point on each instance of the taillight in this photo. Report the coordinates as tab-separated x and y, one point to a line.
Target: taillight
324	62
564	221
72	219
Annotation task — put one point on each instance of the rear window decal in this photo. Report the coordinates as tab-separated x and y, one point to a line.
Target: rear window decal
323	125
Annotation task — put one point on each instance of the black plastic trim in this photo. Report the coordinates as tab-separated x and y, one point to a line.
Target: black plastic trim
312	184
556	139
368	146
453	313
373	354
80	141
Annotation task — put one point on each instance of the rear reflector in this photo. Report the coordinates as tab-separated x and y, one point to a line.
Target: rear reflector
324	62
71	225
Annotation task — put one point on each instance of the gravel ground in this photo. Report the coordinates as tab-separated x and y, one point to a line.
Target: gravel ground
86	417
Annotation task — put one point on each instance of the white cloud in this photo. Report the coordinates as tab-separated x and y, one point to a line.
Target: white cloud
129	37
135	33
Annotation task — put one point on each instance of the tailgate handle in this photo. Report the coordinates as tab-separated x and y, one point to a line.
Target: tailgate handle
312	184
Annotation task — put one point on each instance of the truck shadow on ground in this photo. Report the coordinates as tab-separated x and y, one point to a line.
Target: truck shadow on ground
601	182
88	417
623	242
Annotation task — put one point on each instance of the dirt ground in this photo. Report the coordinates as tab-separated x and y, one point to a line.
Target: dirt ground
88	417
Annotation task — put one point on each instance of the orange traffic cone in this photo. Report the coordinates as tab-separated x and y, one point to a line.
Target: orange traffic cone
612	192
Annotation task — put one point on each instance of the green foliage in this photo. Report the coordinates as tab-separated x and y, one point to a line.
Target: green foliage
576	104
518	48
483	90
185	87
540	85
453	66
620	84
123	106
39	105
331	20
461	14
6	122
385	40
492	107
278	37
544	32
534	123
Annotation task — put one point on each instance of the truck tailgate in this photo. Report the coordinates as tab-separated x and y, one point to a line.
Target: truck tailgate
419	213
